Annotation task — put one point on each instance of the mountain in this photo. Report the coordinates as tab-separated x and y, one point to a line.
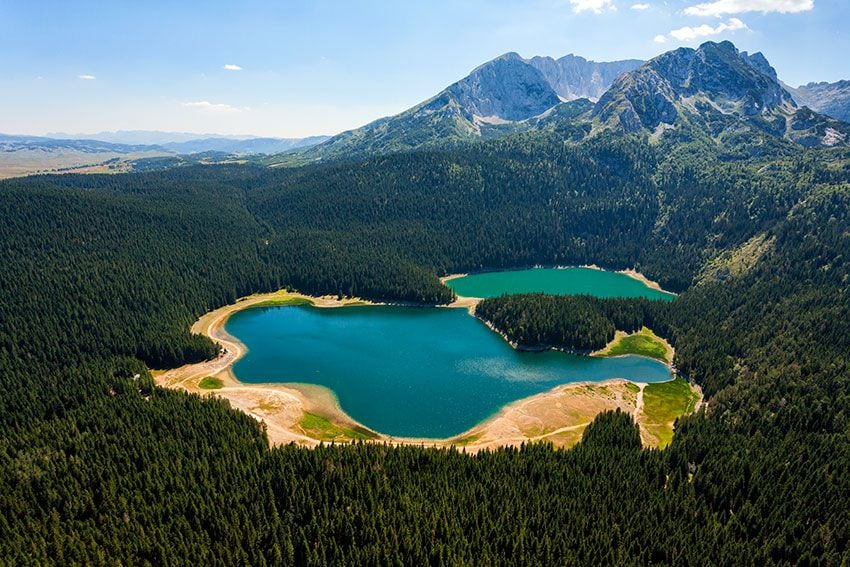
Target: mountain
713	91
574	77
831	99
10	143
496	98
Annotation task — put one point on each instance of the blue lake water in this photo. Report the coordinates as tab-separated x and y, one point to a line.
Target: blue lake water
556	281
406	371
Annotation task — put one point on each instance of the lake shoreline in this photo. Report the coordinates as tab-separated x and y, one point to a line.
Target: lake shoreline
282	406
628	272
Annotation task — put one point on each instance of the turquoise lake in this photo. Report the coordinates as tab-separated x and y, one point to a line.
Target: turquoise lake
556	281
406	371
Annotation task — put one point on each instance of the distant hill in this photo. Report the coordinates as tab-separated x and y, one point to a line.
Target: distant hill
186	142
25	155
247	146
142	137
832	99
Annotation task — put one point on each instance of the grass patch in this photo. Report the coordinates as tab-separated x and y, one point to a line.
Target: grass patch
643	343
566	438
663	403
464	441
633	388
323	429
284	301
210	383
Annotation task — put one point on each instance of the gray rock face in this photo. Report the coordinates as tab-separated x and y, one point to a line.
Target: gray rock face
714	91
574	77
507	88
832	99
506	94
715	77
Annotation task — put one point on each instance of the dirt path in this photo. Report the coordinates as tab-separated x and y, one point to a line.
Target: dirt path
639	402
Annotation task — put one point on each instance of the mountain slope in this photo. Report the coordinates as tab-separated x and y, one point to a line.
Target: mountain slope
713	91
831	99
507	94
574	77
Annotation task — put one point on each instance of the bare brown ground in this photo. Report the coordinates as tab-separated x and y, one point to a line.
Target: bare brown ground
642	278
558	416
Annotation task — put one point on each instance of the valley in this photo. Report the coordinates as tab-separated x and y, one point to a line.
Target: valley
563	312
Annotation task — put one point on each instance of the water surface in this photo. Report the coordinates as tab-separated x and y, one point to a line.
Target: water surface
405	371
555	281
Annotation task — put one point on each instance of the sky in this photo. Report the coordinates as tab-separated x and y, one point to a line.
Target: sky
294	68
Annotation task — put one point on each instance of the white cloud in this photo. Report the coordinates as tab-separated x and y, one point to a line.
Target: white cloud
595	6
640	7
659	39
212	107
720	7
688	33
86	77
232	67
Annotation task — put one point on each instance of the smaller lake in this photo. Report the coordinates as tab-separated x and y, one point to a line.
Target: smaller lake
554	281
412	372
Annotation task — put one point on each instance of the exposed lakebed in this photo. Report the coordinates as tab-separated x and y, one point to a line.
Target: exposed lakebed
412	372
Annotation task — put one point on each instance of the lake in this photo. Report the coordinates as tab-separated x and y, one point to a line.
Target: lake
556	281
407	371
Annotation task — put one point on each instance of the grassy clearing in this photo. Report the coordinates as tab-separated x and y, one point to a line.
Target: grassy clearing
283	301
663	403
633	388
566	438
210	383
323	429
464	441
643	343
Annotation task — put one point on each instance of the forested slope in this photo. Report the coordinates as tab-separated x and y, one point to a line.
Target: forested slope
101	274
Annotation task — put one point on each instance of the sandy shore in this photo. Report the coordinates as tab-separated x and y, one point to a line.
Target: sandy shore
558	416
646	281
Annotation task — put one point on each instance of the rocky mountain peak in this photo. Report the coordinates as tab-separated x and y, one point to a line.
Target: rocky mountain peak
716	77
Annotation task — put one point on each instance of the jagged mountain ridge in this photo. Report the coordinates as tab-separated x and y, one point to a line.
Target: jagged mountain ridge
498	97
832	99
573	77
715	76
714	92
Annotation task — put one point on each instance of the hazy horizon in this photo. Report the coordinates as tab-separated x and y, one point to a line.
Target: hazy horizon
262	69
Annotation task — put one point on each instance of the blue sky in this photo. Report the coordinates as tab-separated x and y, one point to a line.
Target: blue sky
320	67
